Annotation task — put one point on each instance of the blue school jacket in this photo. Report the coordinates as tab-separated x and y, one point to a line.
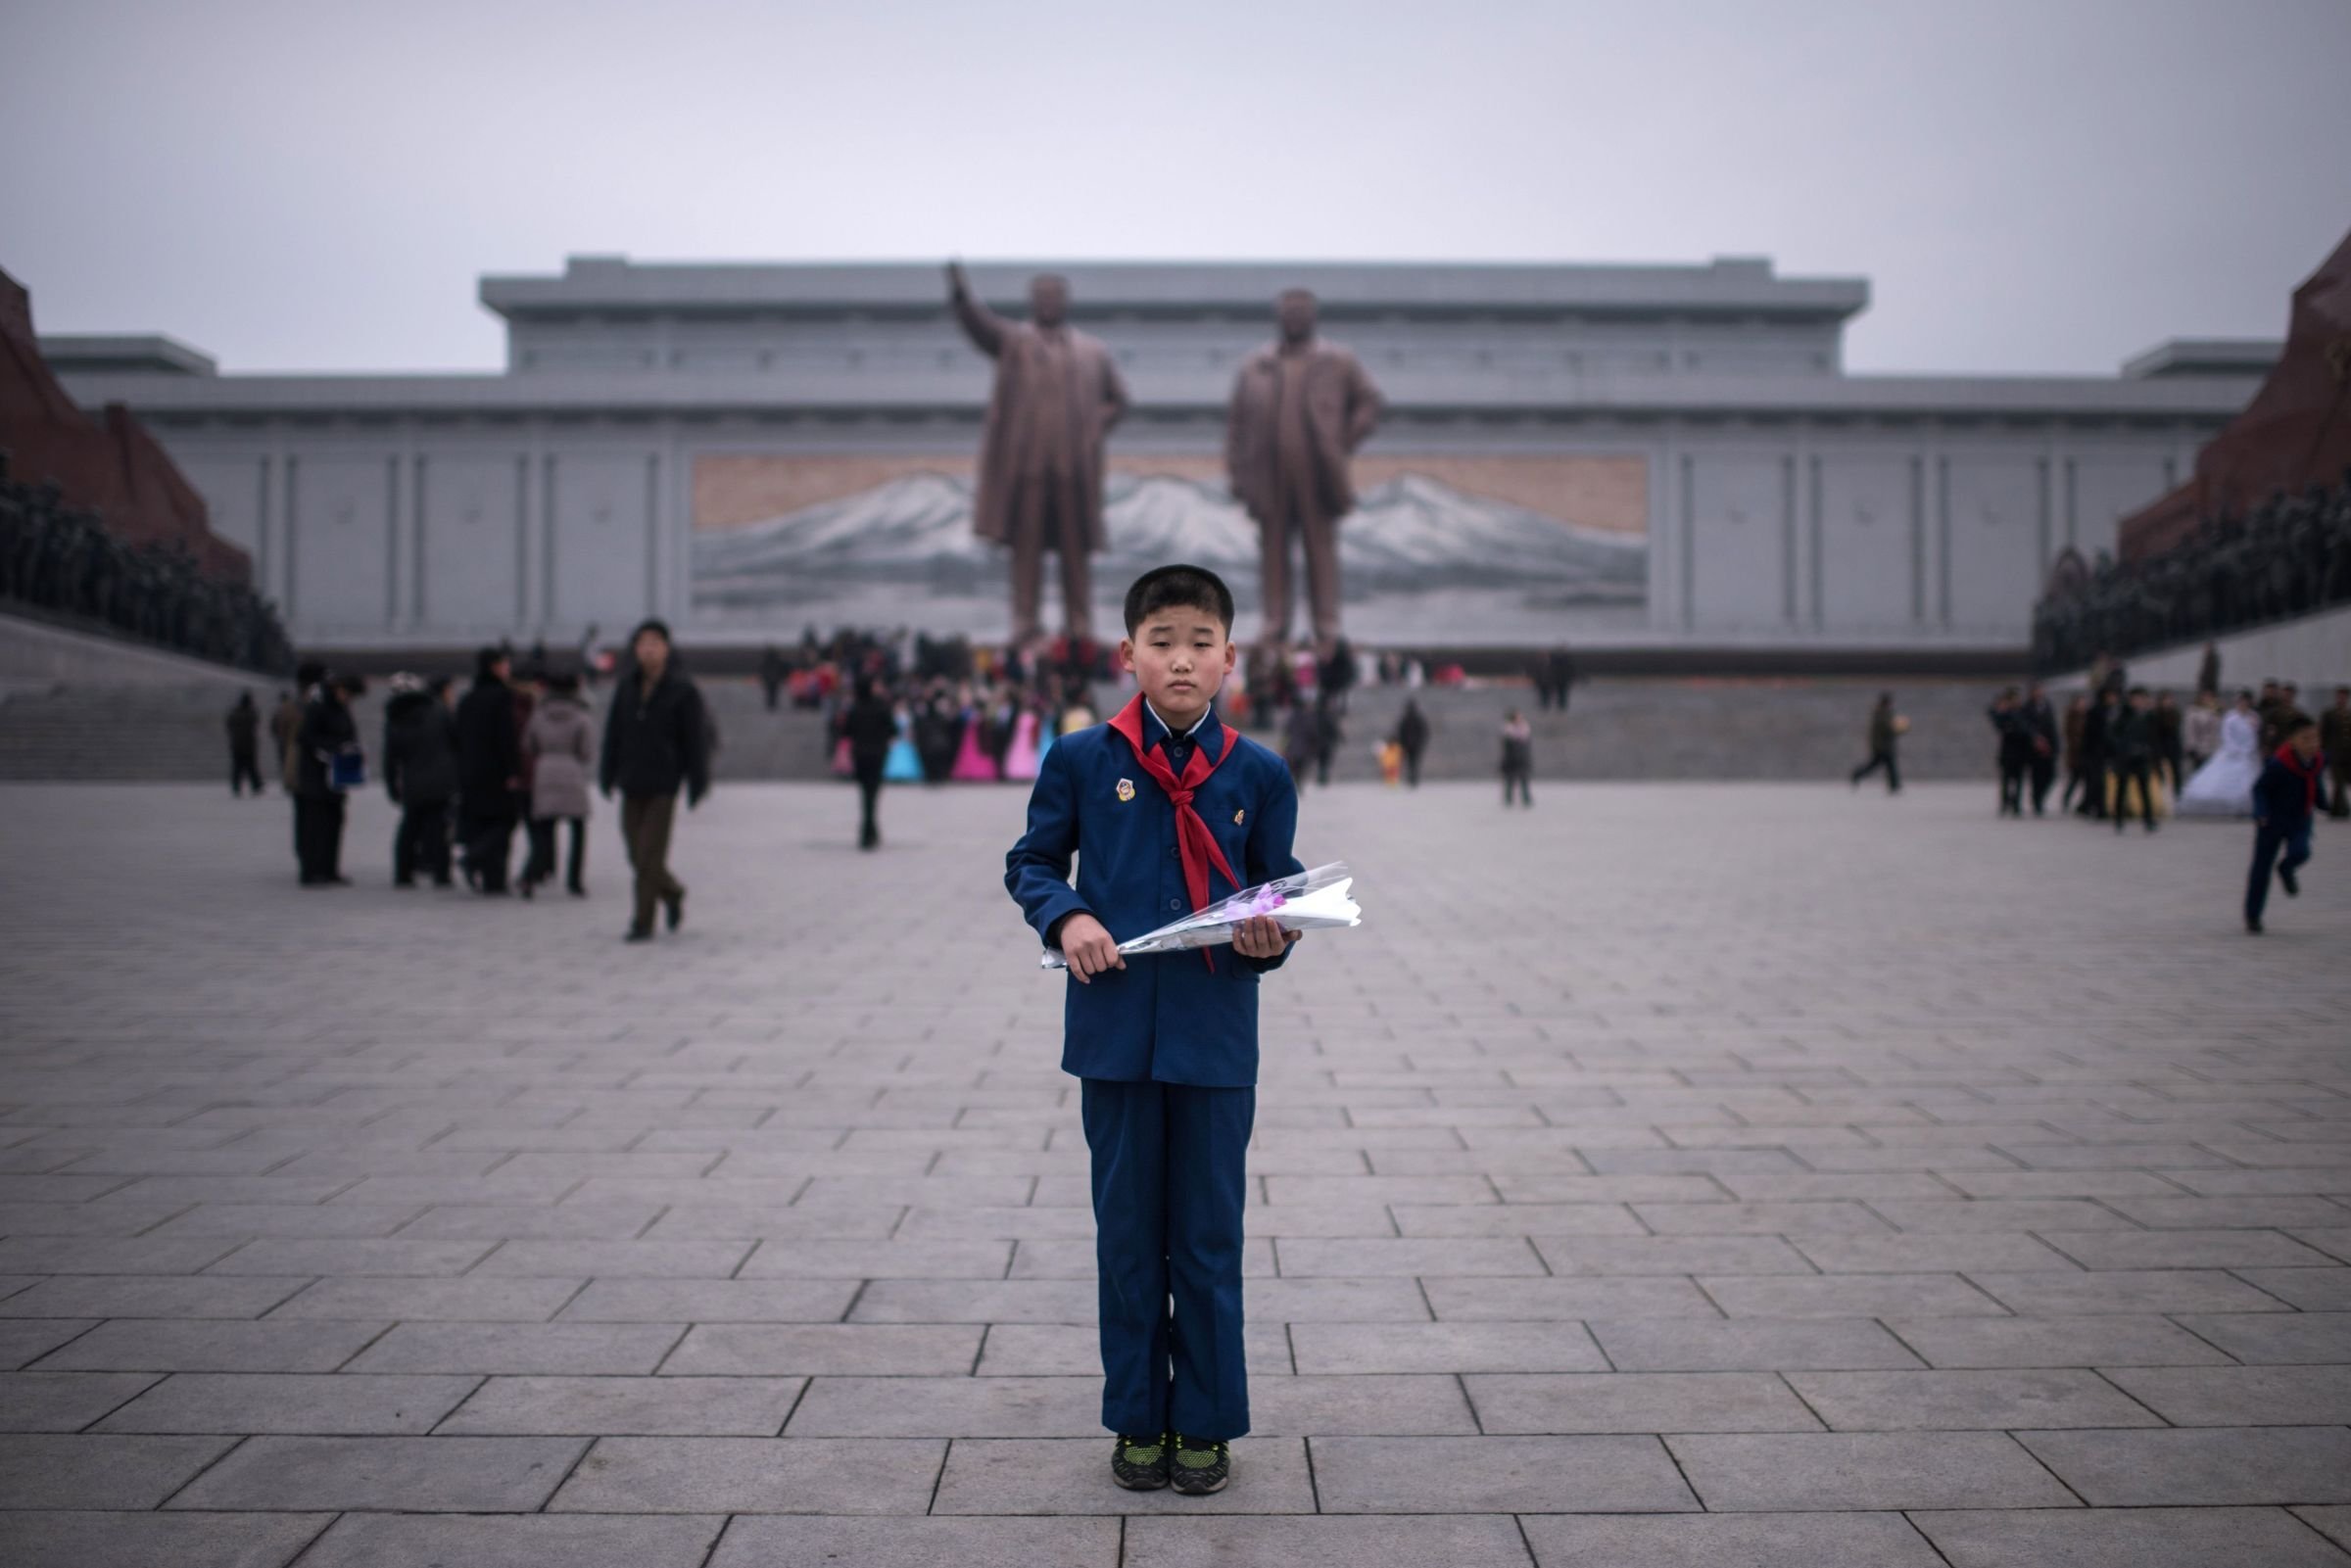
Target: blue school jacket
1164	1016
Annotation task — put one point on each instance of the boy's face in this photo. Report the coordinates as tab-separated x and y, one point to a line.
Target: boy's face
2305	743
1180	656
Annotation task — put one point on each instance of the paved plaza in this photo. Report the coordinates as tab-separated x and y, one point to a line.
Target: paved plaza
1727	1174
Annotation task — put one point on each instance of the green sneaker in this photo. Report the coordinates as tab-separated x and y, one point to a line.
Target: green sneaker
1200	1468
1140	1464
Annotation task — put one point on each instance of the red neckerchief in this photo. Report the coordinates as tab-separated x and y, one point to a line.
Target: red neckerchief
1195	845
2307	772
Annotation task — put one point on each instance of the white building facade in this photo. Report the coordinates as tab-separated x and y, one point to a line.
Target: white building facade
671	440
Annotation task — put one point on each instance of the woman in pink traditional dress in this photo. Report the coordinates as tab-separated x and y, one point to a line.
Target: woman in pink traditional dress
1022	757
972	764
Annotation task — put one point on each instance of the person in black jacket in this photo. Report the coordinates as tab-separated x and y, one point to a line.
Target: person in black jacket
489	773
655	741
2015	750
2097	751
421	774
2131	753
1412	739
2285	799
2040	725
244	746
327	731
869	726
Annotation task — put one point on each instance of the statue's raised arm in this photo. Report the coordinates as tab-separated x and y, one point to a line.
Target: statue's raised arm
980	324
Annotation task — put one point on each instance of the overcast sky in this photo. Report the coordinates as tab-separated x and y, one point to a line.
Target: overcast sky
2030	185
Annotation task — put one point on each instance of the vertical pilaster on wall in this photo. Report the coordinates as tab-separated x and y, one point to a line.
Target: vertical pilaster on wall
2046	523
2073	503
1658	502
293	510
1787	538
526	502
653	533
1942	540
417	486
1689	541
263	551
1918	539
392	551
1820	570
546	557
547	529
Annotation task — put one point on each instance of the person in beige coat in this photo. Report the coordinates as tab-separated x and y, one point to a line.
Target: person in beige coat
561	743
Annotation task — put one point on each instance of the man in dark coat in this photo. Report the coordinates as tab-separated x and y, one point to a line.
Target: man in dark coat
2170	758
327	731
869	726
244	746
421	774
489	773
2041	723
2097	751
1885	734
655	743
1299	409
2335	740
2133	750
1412	738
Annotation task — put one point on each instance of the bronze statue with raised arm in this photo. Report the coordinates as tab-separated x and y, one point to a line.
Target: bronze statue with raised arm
1056	396
1300	409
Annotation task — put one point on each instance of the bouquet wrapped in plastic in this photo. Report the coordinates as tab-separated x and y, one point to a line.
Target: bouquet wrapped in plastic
1316	900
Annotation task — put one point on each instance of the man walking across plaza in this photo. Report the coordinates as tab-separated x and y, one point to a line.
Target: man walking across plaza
1299	410
2335	739
1162	810
244	746
1885	734
2285	800
657	741
2132	743
2040	724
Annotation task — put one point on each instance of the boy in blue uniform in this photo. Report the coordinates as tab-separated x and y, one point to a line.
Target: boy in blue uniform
2285	800
1165	809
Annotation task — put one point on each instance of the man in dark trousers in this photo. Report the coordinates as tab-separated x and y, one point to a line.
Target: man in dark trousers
655	741
869	726
772	671
2171	757
244	746
1412	739
421	774
2132	755
1885	734
489	773
2285	799
2041	723
2097	751
2335	739
327	731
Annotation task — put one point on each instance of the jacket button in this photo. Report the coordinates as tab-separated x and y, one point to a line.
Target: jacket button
1174	903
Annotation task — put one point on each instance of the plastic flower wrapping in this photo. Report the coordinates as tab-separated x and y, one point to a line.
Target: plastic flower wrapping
1316	900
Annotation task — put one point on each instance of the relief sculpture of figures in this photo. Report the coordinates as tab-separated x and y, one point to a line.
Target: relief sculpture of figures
1057	394
1300	409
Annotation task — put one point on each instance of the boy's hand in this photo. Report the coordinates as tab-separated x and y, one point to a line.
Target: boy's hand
1088	948
1260	936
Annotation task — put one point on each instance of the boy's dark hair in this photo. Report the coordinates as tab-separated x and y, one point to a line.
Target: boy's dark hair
2299	723
1178	587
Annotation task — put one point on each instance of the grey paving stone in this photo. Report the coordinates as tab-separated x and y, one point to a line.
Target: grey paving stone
1447	1346
2185	1248
1952	1401
628	1407
63	1401
763	1542
2126	1538
950	1407
191	1345
1867	1470
618	1259
1826	1217
473	1300
1992	1342
1710	1540
2332	1523
1515	1219
1637	1402
711	1300
288	1220
101	1539
521	1349
2210	1465
1332	1301
1455	1257
528	1541
1621	1256
2303	1338
1018	1300
424	1475
313	1256
878	1259
752	1475
138	1255
329	1404
2239	1396
598	1221
1457	1541
150	1296
1934	1252
2102	1291
1750	1345
89	1471
891	1350
1497	1475
1071	1476
1580	1297
1849	1296
2311	1289
26	1340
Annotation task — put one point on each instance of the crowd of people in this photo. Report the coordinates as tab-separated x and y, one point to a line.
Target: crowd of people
2289	556
517	752
61	559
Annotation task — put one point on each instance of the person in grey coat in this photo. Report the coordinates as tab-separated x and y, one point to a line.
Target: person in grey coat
561	743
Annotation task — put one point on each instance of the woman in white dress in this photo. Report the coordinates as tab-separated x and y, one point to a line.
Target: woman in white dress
2224	786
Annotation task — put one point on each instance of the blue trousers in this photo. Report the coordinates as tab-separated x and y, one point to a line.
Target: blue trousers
1169	1189
2267	839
